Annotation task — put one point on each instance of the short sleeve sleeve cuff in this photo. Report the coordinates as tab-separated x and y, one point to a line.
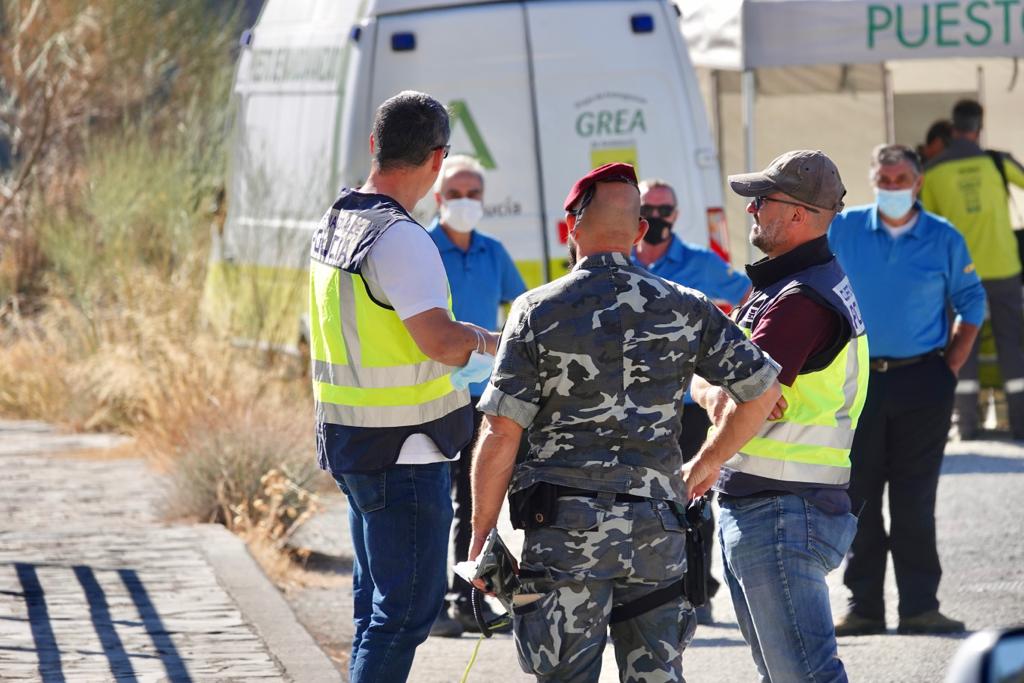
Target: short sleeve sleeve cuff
496	402
749	388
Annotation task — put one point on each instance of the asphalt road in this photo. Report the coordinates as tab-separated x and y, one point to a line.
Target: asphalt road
981	543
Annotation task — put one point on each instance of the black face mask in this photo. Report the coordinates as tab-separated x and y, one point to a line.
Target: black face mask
658	230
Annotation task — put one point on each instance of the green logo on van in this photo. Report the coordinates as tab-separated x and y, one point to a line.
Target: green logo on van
459	112
605	122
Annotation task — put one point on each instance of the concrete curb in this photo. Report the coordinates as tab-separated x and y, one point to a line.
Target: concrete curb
262	604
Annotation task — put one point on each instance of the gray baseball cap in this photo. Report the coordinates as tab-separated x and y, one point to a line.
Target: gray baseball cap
805	175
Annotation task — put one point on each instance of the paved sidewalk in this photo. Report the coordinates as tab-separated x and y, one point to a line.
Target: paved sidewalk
94	587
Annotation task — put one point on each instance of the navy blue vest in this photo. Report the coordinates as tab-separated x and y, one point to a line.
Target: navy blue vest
812	270
344	449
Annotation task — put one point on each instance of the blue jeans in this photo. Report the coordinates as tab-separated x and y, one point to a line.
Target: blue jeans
399	519
777	551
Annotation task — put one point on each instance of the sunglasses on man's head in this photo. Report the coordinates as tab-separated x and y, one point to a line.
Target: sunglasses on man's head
761	199
657	210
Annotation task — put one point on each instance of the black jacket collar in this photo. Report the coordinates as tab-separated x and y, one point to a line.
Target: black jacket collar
770	270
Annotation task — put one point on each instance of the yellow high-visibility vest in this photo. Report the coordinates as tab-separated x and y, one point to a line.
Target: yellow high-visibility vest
367	369
811	443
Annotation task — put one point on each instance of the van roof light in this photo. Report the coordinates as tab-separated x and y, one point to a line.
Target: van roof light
642	23
356	34
403	42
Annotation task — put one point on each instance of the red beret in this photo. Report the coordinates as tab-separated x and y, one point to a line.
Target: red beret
607	173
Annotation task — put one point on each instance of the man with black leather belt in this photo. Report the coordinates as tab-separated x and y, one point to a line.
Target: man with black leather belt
907	266
595	365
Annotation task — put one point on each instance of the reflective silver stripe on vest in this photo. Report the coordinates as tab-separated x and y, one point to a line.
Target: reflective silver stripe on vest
356	374
380	378
787	470
810	435
347	315
840	436
391	416
843	418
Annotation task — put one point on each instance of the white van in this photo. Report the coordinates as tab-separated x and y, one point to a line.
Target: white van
540	91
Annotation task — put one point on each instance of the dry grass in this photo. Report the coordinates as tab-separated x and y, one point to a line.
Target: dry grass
103	257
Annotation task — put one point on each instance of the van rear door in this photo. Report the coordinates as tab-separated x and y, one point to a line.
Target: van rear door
474	60
610	86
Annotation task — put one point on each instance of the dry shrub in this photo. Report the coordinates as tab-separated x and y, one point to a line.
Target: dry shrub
248	467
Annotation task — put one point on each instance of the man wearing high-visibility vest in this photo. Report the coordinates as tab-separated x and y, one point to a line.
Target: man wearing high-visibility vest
785	515
970	187
388	417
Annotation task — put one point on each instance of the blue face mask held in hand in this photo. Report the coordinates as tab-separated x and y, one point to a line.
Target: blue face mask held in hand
478	368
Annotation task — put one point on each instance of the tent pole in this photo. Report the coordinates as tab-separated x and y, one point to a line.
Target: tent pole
748	86
980	75
889	105
716	104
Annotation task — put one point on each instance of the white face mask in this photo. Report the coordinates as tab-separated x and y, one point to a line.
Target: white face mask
461	215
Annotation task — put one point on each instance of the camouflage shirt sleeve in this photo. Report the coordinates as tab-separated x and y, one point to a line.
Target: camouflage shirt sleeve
514	390
729	360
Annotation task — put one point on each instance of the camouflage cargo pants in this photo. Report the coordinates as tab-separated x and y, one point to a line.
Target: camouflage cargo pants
595	556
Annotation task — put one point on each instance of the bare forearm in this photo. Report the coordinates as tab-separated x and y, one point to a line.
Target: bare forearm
700	390
960	345
446	341
739	423
493	461
457	341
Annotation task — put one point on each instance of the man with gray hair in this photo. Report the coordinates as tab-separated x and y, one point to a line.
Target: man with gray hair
482	276
388	417
901	258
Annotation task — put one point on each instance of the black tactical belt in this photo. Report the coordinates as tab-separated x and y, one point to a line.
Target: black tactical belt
648	602
887	364
563	491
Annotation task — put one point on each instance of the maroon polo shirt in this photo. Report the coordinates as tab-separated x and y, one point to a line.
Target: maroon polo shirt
793	329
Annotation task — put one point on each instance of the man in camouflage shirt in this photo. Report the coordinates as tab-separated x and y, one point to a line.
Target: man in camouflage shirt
595	364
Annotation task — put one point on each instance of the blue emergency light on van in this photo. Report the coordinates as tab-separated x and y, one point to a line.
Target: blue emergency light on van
403	42
357	33
642	23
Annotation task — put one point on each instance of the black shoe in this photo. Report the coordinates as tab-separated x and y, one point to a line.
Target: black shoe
704	616
854	624
463	614
446	627
930	622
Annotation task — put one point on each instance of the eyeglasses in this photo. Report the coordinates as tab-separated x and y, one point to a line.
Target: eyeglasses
446	148
760	200
657	210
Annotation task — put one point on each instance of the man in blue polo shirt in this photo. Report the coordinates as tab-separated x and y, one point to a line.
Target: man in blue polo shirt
665	255
482	276
907	267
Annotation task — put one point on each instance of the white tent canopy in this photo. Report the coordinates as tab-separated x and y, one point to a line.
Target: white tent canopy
805	46
739	35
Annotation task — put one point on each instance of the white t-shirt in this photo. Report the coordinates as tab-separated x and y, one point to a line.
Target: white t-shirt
404	270
900	230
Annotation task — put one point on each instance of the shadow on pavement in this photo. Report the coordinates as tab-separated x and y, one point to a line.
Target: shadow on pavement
39	617
118	659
